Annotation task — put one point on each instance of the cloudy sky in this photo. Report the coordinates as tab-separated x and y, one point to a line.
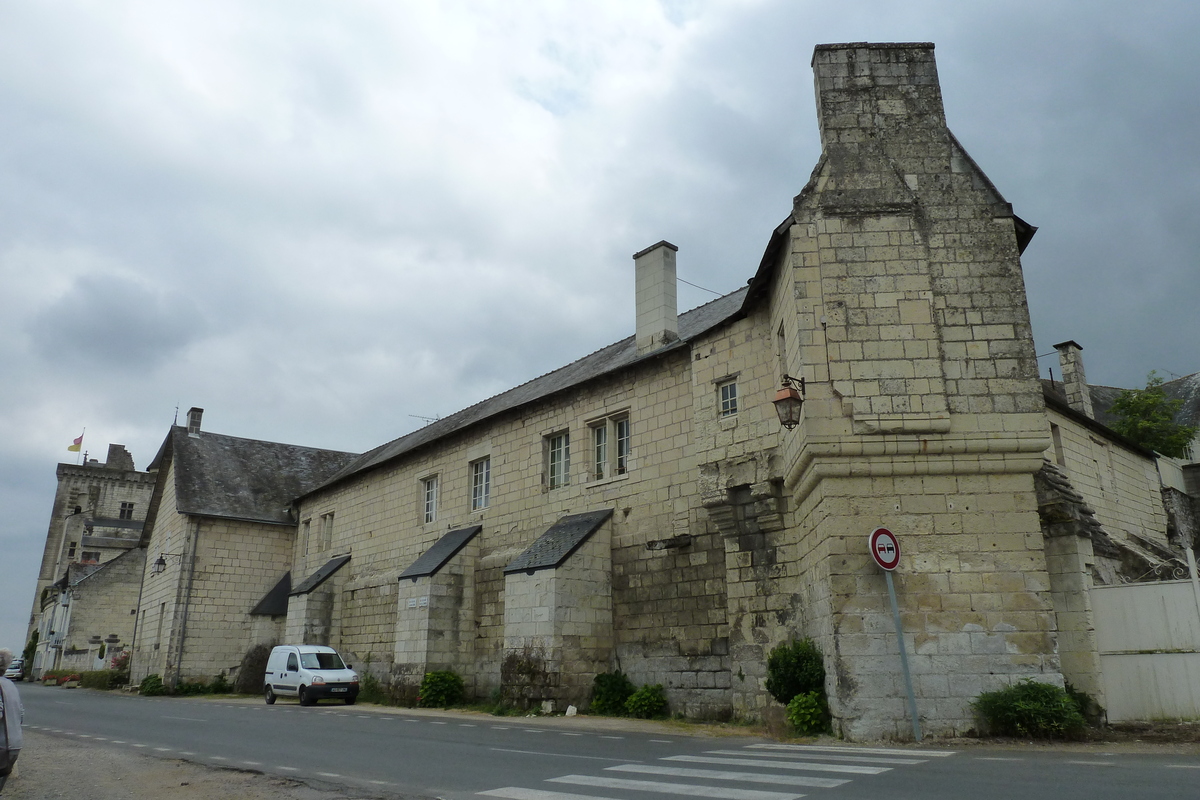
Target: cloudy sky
323	221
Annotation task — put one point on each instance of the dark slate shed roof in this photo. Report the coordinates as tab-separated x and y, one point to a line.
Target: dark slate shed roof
275	602
323	573
605	361
557	544
442	551
226	476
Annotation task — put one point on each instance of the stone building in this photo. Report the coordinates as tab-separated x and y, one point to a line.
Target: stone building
642	509
89	576
219	534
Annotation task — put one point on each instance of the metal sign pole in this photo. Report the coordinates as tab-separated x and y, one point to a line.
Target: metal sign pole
908	684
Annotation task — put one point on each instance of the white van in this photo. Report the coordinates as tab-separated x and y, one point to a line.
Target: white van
308	672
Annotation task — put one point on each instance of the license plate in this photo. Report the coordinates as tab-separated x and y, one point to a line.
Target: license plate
337	690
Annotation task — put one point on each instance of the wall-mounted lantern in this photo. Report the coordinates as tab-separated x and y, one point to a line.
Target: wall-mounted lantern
789	400
161	563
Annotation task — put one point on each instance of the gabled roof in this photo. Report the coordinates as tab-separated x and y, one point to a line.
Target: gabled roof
1185	389
603	362
246	479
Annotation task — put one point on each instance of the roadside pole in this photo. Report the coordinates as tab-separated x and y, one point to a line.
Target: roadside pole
885	549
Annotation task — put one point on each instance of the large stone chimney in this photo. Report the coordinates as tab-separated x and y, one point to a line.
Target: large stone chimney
1074	381
657	312
868	90
119	458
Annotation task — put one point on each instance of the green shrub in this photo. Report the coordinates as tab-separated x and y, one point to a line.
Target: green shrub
120	668
220	684
647	702
795	668
98	679
808	713
1029	708
610	690
152	686
370	689
440	689
190	688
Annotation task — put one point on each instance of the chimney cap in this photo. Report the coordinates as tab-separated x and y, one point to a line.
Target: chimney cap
663	243
1068	343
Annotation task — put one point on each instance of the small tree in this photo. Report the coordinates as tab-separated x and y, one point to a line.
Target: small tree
1147	417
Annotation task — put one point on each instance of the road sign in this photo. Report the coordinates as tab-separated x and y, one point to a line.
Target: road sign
885	548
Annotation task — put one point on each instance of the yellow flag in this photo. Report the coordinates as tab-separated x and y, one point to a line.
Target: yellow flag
74	448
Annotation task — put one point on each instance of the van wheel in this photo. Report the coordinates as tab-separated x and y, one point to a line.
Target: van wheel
305	700
269	695
350	701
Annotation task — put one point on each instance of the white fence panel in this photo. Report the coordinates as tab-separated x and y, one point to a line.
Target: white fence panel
1149	640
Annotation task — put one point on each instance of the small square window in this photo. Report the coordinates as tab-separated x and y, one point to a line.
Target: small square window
558	460
728	393
429	492
481	483
126	510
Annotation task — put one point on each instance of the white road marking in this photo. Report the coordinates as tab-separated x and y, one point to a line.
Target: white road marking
139	745
722	775
663	741
288	769
823	757
187	719
466	725
571	734
612	737
811	766
163	749
533	730
329	774
875	751
517	793
674	788
253	763
556	755
186	753
1093	763
1183	766
118	741
218	758
996	758
435	722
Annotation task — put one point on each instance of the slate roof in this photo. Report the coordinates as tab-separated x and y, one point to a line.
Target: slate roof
323	573
603	362
1186	389
557	544
275	602
442	551
247	479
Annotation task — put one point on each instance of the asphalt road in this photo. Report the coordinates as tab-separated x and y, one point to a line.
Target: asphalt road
390	752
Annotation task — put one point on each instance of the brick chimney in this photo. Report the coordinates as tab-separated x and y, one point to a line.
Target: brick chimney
1074	381
194	416
866	90
657	312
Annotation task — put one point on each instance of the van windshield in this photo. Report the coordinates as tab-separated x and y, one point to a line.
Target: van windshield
321	661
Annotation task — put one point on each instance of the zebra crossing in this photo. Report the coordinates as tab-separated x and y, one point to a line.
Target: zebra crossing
754	772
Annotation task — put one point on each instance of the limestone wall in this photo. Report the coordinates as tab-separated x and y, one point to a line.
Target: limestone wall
378	519
1122	486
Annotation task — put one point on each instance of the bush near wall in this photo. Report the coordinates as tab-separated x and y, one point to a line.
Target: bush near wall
1033	709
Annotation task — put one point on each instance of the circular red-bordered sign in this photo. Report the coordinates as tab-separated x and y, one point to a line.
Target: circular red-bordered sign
885	548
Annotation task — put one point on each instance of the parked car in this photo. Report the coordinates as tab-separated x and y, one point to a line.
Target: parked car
16	670
308	672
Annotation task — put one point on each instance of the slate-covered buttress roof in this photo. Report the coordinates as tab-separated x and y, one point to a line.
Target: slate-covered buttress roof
245	479
602	362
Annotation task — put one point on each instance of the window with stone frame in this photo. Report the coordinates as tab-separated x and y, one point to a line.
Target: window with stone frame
558	460
89	557
429	498
327	531
610	446
71	550
305	533
481	483
126	511
727	396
